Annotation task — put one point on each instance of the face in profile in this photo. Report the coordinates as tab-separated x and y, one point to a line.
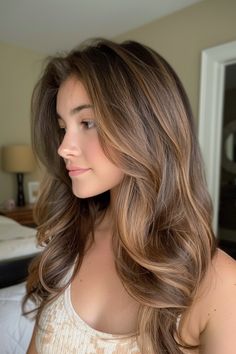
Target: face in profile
91	172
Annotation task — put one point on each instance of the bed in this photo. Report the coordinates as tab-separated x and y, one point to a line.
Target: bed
15	329
17	248
16	240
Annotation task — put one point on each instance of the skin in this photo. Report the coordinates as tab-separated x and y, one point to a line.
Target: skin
80	146
210	321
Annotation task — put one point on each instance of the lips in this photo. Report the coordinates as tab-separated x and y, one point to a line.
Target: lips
76	171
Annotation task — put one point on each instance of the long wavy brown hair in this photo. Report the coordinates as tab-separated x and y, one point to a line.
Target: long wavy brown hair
163	241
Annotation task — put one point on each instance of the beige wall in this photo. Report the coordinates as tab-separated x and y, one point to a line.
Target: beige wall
182	36
19	70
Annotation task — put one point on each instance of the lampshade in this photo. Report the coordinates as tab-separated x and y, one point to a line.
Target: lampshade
17	158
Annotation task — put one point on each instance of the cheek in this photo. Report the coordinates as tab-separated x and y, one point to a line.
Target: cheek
102	165
110	173
95	148
95	152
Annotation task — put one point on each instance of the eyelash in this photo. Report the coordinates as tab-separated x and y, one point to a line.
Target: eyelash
62	130
86	123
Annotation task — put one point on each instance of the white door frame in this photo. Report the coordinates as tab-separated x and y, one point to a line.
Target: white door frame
213	63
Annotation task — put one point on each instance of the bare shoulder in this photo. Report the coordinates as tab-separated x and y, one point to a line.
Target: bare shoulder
218	306
224	265
222	278
211	320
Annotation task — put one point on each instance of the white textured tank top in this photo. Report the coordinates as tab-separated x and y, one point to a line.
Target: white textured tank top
61	330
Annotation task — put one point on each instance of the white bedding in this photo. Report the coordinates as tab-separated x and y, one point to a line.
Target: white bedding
15	329
16	240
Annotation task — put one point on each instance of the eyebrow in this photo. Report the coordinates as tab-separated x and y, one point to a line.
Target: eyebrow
77	109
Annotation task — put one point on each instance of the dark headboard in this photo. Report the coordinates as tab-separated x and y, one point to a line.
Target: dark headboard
14	270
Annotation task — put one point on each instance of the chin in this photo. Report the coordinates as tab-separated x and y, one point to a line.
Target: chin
83	194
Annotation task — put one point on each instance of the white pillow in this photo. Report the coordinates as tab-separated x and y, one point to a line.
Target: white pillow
4	220
15	329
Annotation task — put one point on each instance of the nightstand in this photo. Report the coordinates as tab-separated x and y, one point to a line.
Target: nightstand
23	215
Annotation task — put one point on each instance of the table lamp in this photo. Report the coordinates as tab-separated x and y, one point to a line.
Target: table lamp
18	159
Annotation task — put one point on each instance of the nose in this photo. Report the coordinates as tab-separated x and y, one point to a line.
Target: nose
69	147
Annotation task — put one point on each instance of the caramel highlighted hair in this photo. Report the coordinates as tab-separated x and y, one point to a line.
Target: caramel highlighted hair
163	241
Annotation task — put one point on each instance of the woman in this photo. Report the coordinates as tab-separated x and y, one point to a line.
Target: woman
130	263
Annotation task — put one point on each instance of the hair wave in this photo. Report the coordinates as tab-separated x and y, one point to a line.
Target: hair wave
163	241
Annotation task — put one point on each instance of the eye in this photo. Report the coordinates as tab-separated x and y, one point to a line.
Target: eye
62	130
61	126
88	124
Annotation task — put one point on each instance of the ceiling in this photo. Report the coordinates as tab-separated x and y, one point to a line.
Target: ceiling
48	26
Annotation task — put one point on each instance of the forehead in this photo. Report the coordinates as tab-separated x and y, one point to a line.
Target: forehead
71	94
